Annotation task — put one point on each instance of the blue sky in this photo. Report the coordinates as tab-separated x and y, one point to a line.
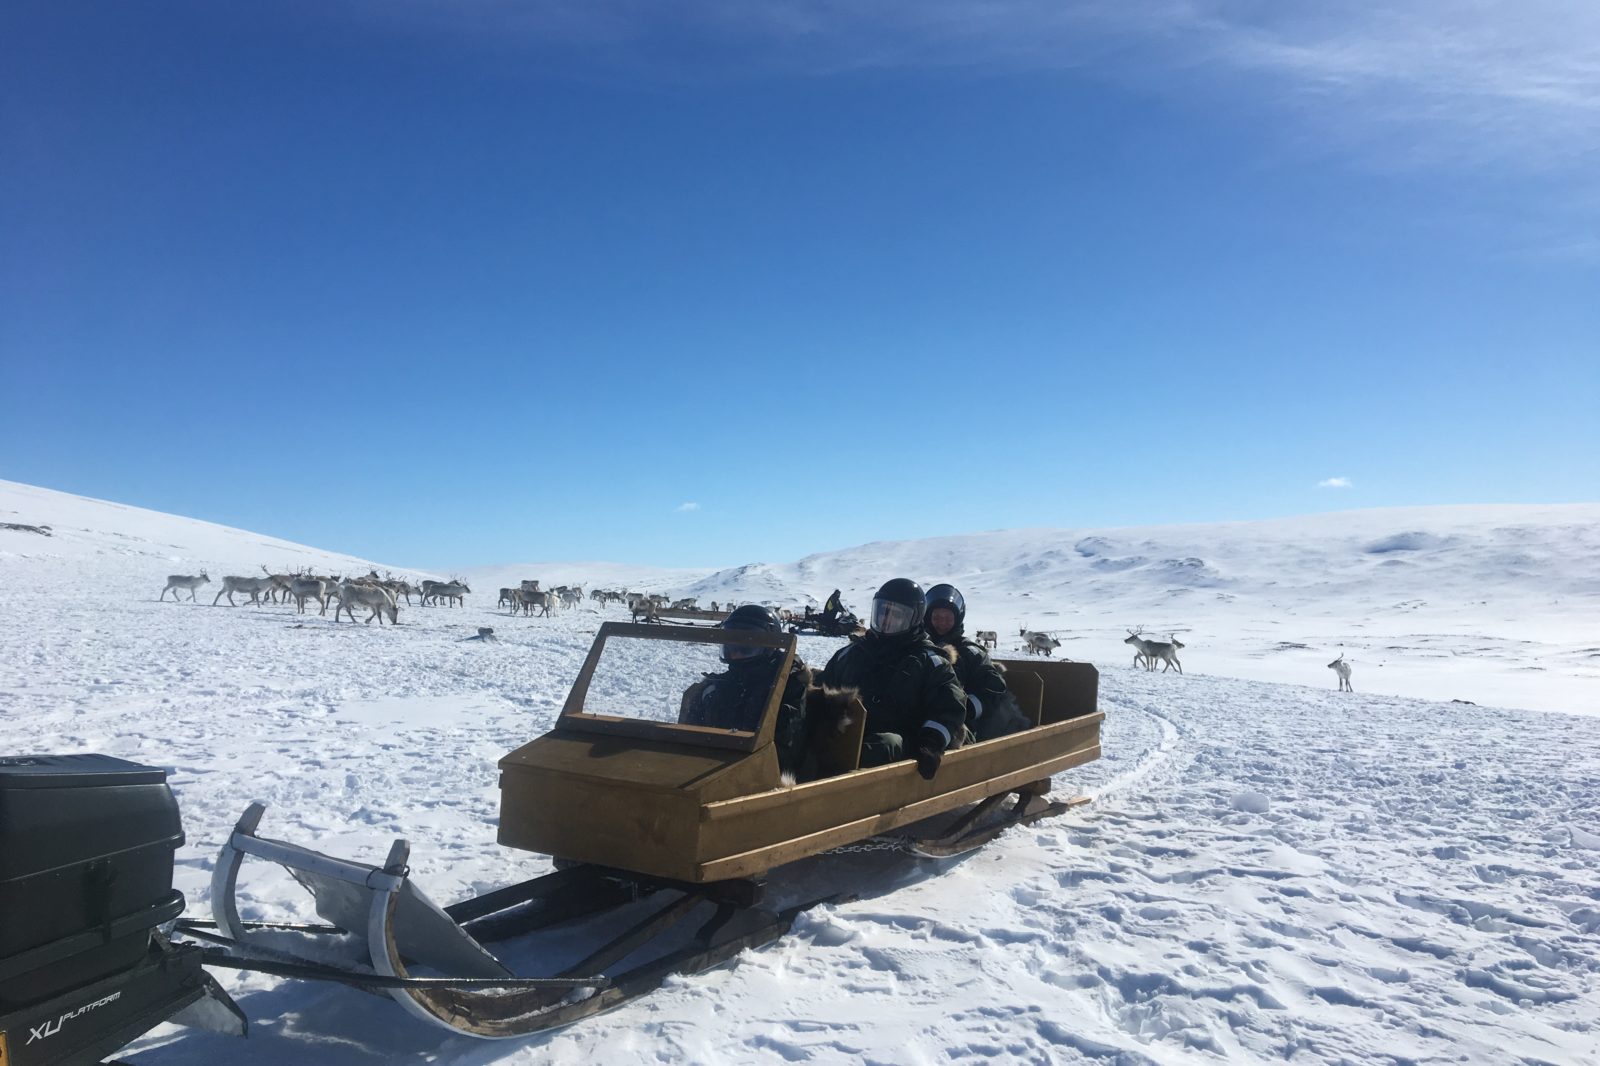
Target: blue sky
461	283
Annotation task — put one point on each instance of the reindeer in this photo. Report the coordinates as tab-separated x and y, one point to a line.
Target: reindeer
1151	650
1171	656
378	599
529	600
507	596
316	588
1141	656
1039	643
280	585
179	582
1342	668
255	586
452	591
988	638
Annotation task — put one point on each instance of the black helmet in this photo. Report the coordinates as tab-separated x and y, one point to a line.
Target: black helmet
897	607
754	617
949	597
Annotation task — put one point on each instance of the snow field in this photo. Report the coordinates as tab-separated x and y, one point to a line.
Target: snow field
1268	871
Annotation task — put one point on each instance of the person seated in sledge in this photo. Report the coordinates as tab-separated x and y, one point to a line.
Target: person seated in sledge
915	705
735	698
991	709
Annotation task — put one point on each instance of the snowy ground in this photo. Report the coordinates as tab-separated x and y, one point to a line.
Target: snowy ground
1268	871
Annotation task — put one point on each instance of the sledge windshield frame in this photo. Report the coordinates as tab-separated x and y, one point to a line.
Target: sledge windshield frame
577	719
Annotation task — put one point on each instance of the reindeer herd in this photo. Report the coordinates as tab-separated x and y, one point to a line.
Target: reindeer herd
381	596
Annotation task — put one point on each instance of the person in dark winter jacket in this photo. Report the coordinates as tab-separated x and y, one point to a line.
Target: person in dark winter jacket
991	709
833	607
735	698
915	706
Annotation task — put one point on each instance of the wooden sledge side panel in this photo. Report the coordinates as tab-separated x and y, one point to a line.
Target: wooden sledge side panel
746	835
839	752
594	821
1028	689
900	777
1071	690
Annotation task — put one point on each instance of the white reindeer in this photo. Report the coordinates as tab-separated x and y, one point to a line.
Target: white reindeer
377	599
177	582
1169	653
1039	643
1342	668
1151	650
254	586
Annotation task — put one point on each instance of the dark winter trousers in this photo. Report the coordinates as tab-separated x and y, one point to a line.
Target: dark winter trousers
880	748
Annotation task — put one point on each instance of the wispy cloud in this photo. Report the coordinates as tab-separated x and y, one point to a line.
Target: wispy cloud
1471	87
688	506
1467	79
1334	483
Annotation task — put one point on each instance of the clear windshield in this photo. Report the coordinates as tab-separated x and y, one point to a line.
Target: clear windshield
681	683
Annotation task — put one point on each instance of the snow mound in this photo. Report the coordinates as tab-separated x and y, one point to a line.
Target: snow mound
1586	841
1250	803
1407	542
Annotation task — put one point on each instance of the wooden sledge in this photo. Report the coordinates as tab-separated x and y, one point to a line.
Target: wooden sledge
661	615
637	812
700	805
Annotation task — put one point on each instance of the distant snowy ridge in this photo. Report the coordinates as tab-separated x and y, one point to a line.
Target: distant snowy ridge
84	529
1492	604
1530	552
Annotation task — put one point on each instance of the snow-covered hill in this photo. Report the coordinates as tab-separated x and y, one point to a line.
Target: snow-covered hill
1268	871
1492	605
1497	605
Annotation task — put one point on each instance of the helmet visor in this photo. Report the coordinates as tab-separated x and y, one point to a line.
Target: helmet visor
891	618
736	653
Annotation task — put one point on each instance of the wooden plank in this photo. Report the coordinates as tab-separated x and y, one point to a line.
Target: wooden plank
1028	689
840	752
770	856
1071	689
995	753
687	615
